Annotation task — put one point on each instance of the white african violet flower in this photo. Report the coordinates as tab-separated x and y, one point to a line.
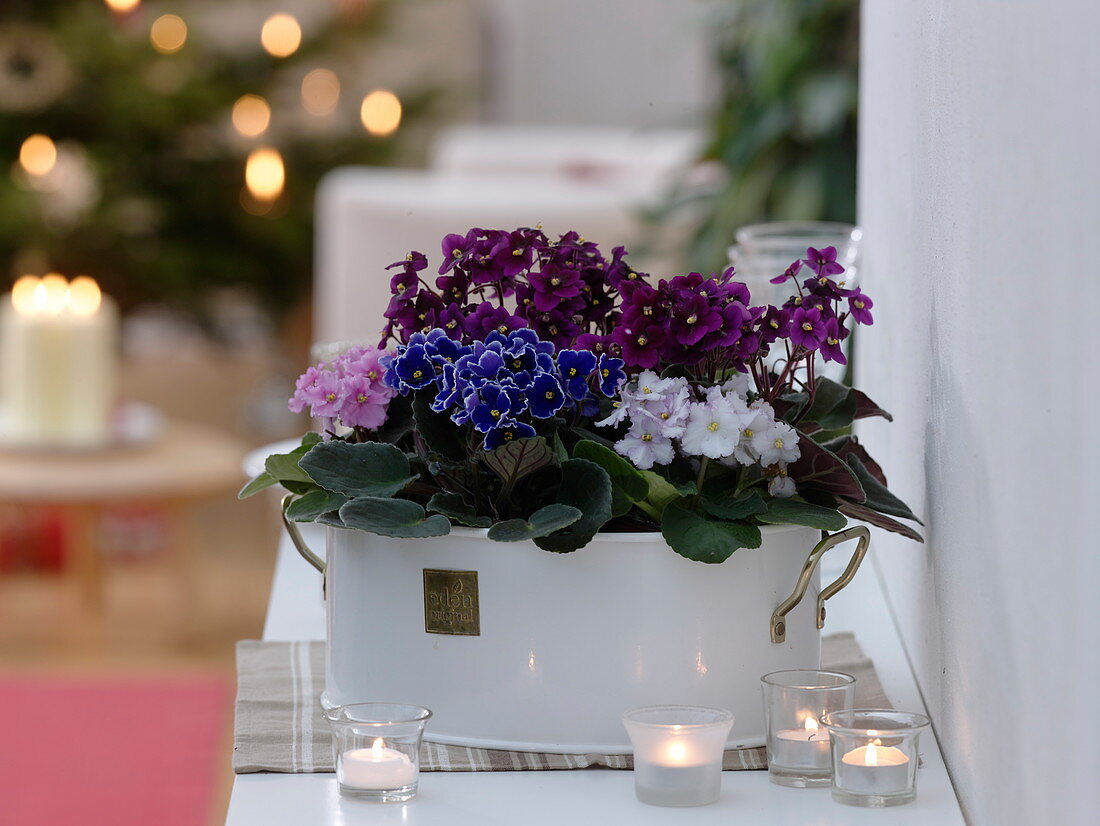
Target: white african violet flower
714	426
781	486
644	445
670	412
737	383
620	411
761	417
778	443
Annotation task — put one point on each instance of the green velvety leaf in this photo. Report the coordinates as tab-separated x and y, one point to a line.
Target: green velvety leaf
436	430
788	406
393	517
331	519
627	483
586	487
878	497
846	445
833	407
262	481
865	408
514	460
723	504
308	507
703	539
367	469
285	468
865	514
453	506
798	512
544	521
821	468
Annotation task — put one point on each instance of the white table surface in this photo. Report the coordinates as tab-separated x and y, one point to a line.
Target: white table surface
588	796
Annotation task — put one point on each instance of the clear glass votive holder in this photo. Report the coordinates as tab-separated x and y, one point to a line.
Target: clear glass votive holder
875	755
798	748
678	753
376	749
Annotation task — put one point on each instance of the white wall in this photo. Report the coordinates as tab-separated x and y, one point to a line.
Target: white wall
630	63
980	195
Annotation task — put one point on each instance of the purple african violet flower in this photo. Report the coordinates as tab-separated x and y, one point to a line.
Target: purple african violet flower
306	392
774	324
640	345
329	393
364	403
788	274
488	317
835	333
860	306
553	285
823	261
807	327
692	318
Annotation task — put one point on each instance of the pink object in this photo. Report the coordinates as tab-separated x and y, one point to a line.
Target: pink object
111	751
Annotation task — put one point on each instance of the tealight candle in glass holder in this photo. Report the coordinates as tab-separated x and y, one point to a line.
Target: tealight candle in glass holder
875	755
376	749
678	753
798	748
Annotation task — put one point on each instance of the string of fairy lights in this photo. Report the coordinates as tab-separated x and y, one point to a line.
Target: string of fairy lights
251	115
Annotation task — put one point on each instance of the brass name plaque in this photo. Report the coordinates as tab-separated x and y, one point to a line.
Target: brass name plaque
450	602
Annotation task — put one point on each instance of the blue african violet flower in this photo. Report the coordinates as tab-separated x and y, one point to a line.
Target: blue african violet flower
545	396
576	366
507	431
612	375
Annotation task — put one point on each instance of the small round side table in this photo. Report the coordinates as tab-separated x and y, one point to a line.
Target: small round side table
184	465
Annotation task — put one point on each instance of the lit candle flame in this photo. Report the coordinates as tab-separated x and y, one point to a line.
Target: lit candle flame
871	756
38	155
377	748
281	35
381	112
264	174
811	724
52	295
677	752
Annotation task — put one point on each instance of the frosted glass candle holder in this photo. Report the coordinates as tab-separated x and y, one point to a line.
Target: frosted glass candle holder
875	755
376	749
678	753
798	748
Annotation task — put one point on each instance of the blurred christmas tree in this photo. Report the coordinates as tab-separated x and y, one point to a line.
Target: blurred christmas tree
170	149
784	130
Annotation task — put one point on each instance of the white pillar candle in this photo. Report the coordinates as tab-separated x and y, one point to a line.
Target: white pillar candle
874	769
58	363
801	748
376	769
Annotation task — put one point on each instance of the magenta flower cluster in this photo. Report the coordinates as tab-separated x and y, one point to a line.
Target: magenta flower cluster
570	294
350	389
564	290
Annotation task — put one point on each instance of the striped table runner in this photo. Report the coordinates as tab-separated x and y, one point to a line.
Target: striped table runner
279	727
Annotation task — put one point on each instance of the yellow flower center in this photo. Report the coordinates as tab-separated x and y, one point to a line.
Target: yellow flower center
550	394
632	275
495	414
807	326
517	253
798	300
642	341
517	364
858	304
456	253
372	375
749	433
503	328
605	372
572	372
647	311
361	398
713	426
778	443
331	397
451	324
554	282
646	390
401	288
822	280
508	436
691	319
774	324
417	374
664	415
833	341
553	328
647	437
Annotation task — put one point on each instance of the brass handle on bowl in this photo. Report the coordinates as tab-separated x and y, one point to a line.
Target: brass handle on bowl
779	622
296	537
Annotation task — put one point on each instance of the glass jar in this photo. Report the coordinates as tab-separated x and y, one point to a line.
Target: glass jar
875	754
376	749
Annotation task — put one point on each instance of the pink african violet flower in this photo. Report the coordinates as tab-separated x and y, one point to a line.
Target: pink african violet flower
350	389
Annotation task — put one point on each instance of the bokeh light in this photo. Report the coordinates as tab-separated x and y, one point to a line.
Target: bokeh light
320	92
122	5
381	112
264	174
38	155
251	115
168	33
52	293
22	294
84	296
281	35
